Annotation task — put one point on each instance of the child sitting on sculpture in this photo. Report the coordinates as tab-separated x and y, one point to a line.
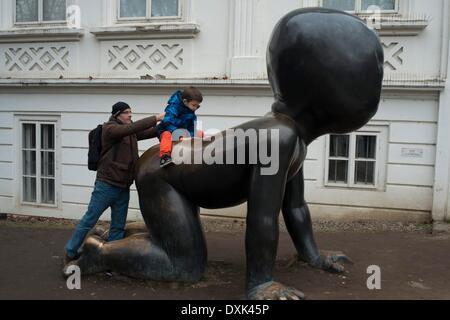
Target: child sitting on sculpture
180	116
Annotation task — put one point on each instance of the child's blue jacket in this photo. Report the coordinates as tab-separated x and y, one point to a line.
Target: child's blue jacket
178	116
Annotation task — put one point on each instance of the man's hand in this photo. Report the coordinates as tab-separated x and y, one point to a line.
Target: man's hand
160	116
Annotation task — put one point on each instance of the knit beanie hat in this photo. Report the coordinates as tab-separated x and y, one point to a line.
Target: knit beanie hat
118	108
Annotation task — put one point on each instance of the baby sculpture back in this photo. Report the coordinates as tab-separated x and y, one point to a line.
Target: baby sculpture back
326	70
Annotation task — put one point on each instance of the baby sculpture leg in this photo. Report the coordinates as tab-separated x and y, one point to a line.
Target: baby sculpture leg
174	248
299	225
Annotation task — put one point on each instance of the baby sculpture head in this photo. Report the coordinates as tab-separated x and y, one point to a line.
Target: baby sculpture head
327	76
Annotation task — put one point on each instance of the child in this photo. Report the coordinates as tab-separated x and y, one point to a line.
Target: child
180	114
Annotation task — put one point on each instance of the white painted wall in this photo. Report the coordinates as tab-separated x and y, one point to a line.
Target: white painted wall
408	186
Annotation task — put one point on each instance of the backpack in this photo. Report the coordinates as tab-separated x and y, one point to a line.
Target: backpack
95	147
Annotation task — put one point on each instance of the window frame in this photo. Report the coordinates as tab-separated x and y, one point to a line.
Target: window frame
336	158
380	132
38	121
40	21
148	17
358	8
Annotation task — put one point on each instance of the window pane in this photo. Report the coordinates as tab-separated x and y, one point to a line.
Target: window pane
132	8
345	5
48	191
28	136
54	10
366	147
29	189
47	164
164	8
47	137
365	172
29	163
339	145
382	4
26	10
337	171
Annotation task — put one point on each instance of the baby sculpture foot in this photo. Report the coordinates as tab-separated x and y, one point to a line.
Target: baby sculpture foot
90	260
274	291
330	261
99	231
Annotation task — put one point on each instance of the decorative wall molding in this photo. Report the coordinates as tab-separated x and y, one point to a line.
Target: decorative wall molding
393	55
397	25
163	58
146	57
41	35
37	59
424	86
148	31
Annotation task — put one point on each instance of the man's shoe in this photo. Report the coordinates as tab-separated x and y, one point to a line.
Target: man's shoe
68	259
165	161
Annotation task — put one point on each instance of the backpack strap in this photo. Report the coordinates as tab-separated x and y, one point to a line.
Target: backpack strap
113	146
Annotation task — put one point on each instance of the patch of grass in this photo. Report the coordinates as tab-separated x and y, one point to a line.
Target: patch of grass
425	226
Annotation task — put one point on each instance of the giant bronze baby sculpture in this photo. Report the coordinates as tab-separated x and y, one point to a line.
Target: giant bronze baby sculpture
326	69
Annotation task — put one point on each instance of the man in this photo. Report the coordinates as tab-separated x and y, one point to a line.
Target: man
115	174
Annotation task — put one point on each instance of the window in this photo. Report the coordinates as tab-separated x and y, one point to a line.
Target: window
339	158
39	11
146	9
361	5
38	158
354	160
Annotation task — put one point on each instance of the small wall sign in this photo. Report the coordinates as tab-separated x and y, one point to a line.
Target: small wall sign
412	153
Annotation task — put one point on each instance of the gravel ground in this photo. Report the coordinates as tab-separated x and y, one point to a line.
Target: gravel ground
233	225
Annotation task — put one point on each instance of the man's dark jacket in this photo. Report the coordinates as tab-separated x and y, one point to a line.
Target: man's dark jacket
120	149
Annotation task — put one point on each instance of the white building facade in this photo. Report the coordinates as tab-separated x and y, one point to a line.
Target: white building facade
63	64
